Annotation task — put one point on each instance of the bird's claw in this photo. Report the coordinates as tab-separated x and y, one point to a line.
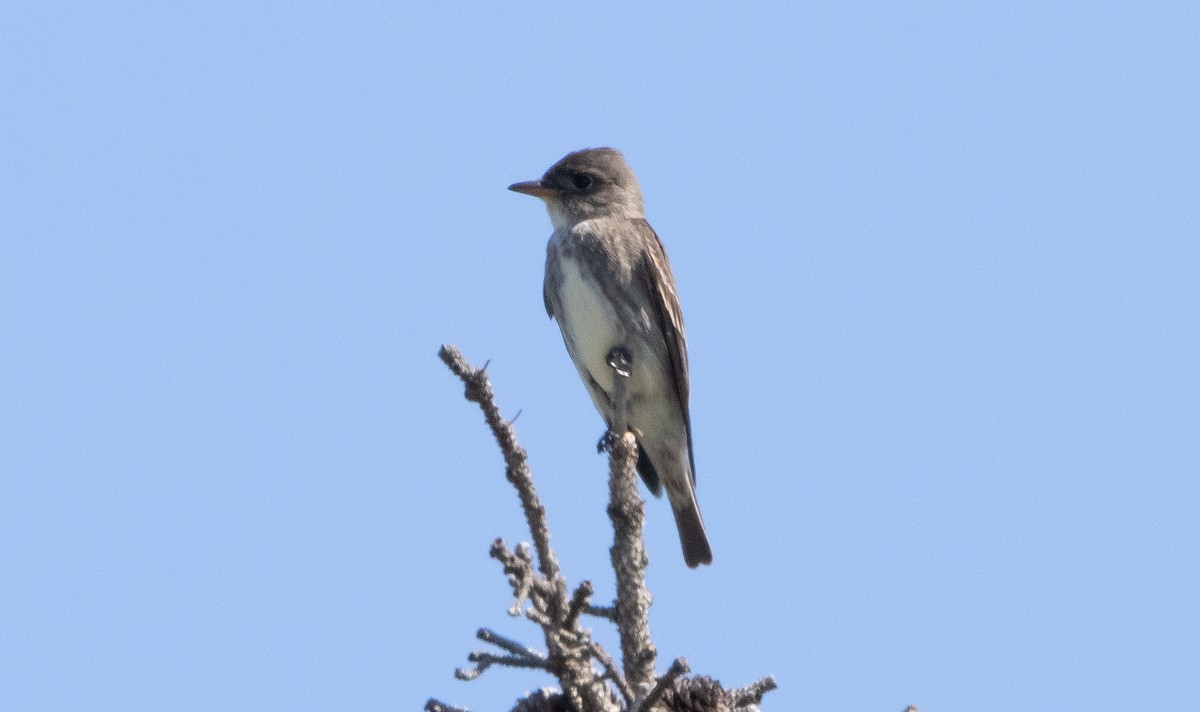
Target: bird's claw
606	441
619	359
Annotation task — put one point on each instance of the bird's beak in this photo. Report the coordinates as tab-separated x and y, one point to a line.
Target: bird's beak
534	188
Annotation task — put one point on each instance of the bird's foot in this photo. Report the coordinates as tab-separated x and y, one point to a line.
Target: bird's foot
607	440
620	360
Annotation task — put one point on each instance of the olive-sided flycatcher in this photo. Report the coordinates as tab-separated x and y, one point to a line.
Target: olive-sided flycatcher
609	284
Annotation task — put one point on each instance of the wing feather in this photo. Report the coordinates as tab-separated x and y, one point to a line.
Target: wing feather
654	269
552	281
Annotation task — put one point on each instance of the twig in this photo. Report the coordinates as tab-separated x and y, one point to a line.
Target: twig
753	693
484	660
606	612
578	601
519	656
612	673
433	705
678	668
518	566
479	390
488	635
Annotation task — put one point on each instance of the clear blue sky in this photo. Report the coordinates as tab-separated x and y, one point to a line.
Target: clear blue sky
940	266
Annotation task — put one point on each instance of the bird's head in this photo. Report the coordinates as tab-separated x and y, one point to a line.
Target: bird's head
594	182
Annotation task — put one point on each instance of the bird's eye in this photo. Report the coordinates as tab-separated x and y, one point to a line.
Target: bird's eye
582	181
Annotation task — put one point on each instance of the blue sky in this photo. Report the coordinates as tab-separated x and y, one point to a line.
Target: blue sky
939	265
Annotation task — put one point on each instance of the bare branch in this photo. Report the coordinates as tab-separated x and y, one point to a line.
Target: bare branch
433	705
484	660
678	668
612	673
752	694
569	647
518	566
488	635
628	552
629	560
579	600
608	613
479	390
519	655
540	591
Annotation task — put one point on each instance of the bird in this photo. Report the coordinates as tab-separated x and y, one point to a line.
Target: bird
609	286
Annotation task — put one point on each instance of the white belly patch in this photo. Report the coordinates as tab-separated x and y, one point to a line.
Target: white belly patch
589	321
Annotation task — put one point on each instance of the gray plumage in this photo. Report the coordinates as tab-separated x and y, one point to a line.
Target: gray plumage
609	283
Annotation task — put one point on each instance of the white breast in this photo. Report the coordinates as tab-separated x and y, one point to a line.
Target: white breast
589	321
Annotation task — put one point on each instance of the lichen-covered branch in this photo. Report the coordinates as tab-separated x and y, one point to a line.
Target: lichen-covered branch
629	560
518	656
678	669
432	705
569	655
752	694
540	594
479	390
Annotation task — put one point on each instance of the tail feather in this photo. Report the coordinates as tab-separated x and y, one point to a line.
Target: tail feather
696	549
649	475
